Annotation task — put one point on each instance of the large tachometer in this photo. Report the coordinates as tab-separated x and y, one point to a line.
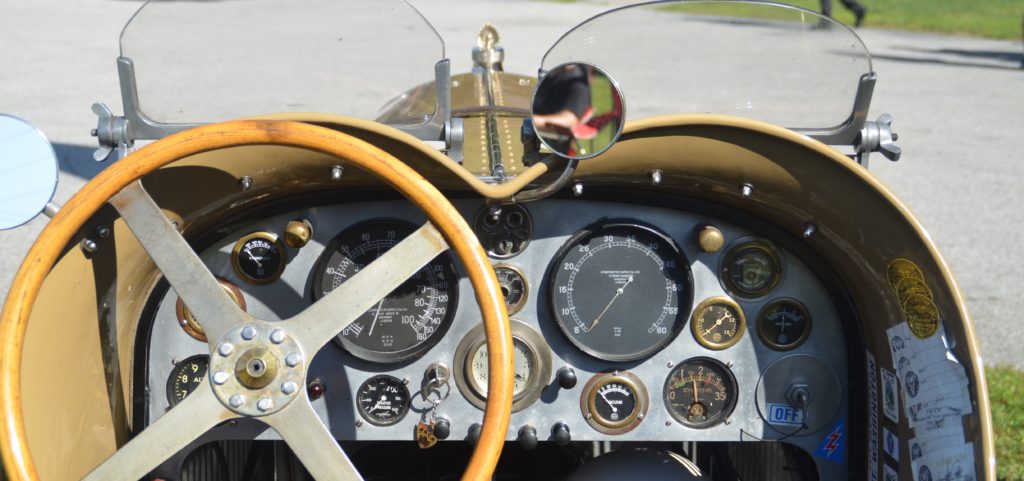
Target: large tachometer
407	322
620	291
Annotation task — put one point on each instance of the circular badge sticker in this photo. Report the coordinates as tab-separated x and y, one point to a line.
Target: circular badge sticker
909	286
900	269
922	315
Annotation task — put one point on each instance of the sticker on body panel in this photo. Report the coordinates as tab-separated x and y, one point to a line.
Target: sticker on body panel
890	395
869	360
833	445
785	415
891	443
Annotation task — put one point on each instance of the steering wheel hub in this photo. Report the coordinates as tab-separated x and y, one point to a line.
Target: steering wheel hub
257	368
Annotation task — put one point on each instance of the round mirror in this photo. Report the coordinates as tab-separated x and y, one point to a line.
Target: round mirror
578	110
28	172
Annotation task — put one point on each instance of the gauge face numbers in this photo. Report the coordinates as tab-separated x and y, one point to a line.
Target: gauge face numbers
531	361
614	403
783	324
185	377
718	323
513	287
700	393
258	258
383	400
620	291
751	269
407	322
523	359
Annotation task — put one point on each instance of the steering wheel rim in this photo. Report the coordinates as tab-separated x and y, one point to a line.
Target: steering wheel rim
120	185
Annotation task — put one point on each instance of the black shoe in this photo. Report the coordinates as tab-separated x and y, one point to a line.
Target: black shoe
863	12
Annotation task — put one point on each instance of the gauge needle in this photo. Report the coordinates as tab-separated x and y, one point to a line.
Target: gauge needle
255	259
618	292
609	403
695	399
375	316
717	323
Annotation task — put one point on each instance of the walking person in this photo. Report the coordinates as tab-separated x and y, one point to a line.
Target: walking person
859	11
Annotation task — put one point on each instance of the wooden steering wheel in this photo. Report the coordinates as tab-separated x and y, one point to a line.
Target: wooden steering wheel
276	396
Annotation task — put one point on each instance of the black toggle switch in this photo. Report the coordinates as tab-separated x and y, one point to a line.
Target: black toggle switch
527	437
566	377
442	428
560	431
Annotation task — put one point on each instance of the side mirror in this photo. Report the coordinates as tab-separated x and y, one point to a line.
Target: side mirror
28	172
578	110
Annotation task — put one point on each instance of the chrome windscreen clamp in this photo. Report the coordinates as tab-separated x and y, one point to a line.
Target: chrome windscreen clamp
877	136
111	131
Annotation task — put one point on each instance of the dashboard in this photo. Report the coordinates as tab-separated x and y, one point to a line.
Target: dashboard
631	322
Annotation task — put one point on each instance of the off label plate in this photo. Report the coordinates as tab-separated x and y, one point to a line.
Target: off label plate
785	415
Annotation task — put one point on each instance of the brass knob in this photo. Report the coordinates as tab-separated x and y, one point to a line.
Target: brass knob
298	233
710	239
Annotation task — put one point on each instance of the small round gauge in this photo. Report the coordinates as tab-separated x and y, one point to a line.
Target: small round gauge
718	323
751	269
412	318
700	393
513	287
383	400
783	324
258	258
185	377
620	291
614	403
190	325
531	360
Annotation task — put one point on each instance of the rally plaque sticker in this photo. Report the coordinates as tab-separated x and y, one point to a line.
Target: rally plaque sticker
890	395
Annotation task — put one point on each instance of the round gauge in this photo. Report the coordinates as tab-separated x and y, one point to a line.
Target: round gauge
383	400
614	403
700	393
258	258
531	365
620	291
513	287
189	324
751	269
412	318
718	323
185	377
783	324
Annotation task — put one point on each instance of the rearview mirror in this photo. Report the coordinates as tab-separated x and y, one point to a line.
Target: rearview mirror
28	172
578	110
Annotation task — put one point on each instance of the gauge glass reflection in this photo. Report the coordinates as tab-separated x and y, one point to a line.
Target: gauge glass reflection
752	269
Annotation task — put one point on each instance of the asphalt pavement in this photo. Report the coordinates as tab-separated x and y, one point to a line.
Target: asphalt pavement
956	102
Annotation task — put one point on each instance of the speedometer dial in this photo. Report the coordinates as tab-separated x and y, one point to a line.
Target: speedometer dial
407	322
620	291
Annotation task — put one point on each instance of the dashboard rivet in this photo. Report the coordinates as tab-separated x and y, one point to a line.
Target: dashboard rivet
577	190
668	423
656	177
288	387
588	416
810	230
236	400
729	364
103	231
248	333
359	423
640	416
89	246
225	349
336	172
670	364
746	190
265	404
728	421
277	336
220	377
245	183
293	359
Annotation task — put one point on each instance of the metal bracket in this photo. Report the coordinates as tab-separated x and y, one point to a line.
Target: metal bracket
122	132
877	136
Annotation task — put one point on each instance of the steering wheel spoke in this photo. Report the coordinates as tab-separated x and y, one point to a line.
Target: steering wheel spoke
322	321
312	442
178	427
175	258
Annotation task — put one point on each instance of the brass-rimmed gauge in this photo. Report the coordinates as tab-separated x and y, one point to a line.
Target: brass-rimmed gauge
513	285
258	258
783	324
751	268
185	377
615	402
194	328
718	323
531	359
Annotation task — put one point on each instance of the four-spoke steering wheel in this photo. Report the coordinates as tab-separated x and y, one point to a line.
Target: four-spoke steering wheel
257	368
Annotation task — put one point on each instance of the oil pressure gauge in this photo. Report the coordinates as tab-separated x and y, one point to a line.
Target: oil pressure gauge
614	403
383	400
258	258
718	323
